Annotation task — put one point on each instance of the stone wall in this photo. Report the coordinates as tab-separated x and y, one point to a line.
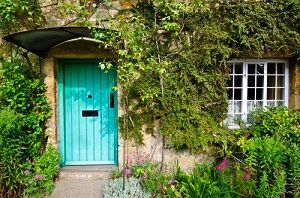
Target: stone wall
85	49
294	99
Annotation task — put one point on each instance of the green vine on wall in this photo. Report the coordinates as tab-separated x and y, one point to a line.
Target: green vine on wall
172	61
20	14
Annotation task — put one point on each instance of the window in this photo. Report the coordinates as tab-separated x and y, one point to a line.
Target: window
255	83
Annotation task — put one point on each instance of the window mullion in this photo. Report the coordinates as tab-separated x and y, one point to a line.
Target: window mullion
244	92
265	85
286	85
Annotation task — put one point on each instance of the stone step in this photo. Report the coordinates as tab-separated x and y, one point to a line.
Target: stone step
84	172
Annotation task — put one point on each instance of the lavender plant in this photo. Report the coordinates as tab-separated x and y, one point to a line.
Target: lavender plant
114	189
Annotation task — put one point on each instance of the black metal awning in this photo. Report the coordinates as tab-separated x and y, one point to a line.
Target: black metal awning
41	41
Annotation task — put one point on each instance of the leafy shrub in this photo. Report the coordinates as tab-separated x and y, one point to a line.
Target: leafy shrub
279	122
12	152
209	181
114	189
39	175
24	111
267	156
271	145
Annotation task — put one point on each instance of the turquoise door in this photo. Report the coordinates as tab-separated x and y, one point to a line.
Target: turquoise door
87	113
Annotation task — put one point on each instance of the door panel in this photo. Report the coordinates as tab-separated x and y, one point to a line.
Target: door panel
87	139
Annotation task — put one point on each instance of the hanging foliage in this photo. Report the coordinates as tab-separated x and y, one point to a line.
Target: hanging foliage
20	14
172	61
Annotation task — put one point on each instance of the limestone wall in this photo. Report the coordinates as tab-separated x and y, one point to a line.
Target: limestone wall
294	99
83	49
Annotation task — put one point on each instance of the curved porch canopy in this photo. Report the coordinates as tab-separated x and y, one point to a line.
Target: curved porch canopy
41	41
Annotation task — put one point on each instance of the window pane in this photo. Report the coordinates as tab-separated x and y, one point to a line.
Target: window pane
259	103
251	105
238	81
271	103
229	120
271	94
251	81
251	68
259	81
230	94
280	68
230	106
271	69
271	81
259	94
280	94
237	107
237	94
280	81
260	69
280	103
251	94
238	68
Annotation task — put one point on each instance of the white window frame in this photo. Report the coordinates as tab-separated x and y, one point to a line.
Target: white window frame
244	98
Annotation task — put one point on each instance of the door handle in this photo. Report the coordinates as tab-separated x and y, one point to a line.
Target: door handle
112	100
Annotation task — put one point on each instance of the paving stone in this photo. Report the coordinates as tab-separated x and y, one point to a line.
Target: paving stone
81	181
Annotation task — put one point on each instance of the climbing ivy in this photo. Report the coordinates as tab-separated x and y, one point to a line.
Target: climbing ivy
20	14
172	59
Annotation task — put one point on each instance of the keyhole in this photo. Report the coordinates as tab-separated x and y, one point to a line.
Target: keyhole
89	96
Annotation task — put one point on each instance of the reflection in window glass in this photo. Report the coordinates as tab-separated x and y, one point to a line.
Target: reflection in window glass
280	68
251	81
271	93
280	81
280	94
238	81
251	68
271	81
271	68
238	68
260	81
251	94
260	69
259	94
238	94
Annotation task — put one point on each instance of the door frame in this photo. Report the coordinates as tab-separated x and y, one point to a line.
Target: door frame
60	108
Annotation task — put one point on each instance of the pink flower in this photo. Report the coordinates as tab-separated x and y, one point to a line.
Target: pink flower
246	177
26	172
219	167
38	177
224	163
127	171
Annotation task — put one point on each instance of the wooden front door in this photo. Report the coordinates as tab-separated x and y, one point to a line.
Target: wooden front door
87	113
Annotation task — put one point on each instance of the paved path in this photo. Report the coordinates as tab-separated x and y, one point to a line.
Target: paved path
78	188
81	182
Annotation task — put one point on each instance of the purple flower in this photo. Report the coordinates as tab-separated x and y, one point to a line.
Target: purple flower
171	182
159	187
38	177
26	172
127	171
246	177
